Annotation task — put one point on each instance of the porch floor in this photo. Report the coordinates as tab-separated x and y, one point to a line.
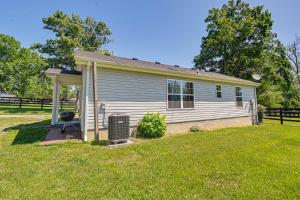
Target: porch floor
55	136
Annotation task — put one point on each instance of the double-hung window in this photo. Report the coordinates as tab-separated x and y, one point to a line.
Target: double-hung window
180	94
239	97
219	91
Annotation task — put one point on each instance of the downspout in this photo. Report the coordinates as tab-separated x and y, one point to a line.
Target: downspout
95	98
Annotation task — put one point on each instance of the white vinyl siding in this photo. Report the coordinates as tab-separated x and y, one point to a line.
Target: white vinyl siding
138	94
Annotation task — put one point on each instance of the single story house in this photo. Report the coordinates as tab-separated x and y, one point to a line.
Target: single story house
187	97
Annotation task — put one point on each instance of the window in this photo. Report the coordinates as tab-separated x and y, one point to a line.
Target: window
180	94
239	97
188	94
219	91
174	94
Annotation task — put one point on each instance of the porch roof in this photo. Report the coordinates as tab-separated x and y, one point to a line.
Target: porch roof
68	77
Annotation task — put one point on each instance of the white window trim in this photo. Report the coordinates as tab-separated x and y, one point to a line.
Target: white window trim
239	96
181	95
220	91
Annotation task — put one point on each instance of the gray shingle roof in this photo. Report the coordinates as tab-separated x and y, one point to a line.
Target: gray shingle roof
55	71
152	65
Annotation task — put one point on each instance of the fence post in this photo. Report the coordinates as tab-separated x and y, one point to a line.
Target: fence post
281	117
42	104
20	104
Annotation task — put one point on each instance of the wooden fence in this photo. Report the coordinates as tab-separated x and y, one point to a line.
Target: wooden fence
282	113
39	103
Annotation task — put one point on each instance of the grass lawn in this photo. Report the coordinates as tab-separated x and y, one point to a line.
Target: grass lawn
284	118
10	121
260	162
29	109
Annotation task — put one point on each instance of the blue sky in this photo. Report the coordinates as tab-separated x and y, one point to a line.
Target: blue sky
168	31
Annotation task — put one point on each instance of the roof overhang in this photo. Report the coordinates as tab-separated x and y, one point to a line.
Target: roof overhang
65	77
84	61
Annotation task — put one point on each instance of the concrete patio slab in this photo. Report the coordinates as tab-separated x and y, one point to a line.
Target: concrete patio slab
55	136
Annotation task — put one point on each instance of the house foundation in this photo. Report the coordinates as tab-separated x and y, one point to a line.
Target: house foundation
184	127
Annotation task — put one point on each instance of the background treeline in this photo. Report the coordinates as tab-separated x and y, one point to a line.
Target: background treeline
240	43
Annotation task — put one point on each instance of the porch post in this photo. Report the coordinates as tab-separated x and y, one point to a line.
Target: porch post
85	101
55	102
256	107
95	98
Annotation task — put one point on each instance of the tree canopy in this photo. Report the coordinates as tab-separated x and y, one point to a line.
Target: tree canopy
240	42
21	70
71	32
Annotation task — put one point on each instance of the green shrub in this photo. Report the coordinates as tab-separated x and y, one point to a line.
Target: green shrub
153	125
261	108
195	129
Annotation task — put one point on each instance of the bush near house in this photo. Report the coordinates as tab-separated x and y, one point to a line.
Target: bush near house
153	125
195	129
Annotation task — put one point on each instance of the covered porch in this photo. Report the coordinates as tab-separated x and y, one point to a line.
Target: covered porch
64	77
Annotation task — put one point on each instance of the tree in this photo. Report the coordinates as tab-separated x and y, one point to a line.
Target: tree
71	32
21	70
239	43
8	46
8	53
293	53
278	86
237	37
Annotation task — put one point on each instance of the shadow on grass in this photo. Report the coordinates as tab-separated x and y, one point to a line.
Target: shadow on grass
30	133
100	143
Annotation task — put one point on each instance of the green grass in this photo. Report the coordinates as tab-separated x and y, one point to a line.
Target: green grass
259	162
285	118
10	121
28	109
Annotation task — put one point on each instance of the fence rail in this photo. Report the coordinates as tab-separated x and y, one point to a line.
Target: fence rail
21	102
282	113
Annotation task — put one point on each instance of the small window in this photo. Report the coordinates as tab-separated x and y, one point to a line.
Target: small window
239	97
180	94
219	91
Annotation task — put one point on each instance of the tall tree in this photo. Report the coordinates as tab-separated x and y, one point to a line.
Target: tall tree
293	53
21	70
240	42
237	37
71	32
278	86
